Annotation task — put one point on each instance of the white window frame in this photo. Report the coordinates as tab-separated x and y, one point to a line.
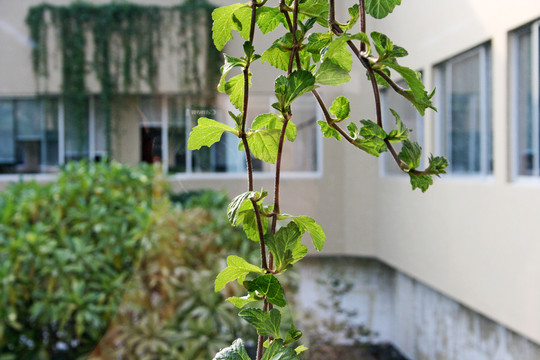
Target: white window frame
442	123
534	30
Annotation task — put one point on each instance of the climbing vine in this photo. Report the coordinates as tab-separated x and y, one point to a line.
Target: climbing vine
127	43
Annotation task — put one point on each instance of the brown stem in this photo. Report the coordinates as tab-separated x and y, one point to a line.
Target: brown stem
329	119
264	264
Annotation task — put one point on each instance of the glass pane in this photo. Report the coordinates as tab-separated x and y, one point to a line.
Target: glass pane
465	130
29	116
100	128
524	105
177	135
7	134
151	133
410	118
76	132
301	155
51	134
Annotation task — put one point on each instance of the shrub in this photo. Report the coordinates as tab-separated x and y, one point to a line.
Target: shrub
66	252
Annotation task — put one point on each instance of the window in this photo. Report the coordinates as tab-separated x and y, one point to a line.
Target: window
525	52
37	135
410	117
464	116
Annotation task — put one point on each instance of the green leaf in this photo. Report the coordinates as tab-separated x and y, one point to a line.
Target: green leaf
354	12
286	246
242	21
236	351
269	286
207	132
238	206
293	335
278	351
421	182
328	131
401	133
318	41
274	121
371	129
315	230
341	108
437	165
268	18
237	269
385	48
369	138
224	24
266	323
230	63
417	93
411	154
380	8
249	224
240	302
277	56
317	9
300	349
331	74
337	53
235	89
264	144
299	82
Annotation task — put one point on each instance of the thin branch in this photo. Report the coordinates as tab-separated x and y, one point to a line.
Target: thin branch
264	264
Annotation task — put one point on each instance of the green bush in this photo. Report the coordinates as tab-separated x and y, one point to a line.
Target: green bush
103	250
66	251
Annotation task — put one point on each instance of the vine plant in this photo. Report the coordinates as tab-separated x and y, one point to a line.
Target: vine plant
309	58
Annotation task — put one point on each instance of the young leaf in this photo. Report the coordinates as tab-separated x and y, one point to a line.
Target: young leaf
274	121
240	302
277	55
269	18
278	351
421	182
317	9
286	246
318	41
230	63
224	24
300	349
293	335
329	131
337	53
264	144
238	206
385	48
236	351
417	93
401	133
269	286
207	132
235	89
373	137
266	323
242	21
411	154
331	74
299	82
354	12
380	8
437	165
340	108
315	230
237	269
249	224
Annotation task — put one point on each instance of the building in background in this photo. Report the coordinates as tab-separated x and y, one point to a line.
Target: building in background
450	274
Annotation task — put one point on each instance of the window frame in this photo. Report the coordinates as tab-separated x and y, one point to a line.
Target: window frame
443	126
534	30
190	118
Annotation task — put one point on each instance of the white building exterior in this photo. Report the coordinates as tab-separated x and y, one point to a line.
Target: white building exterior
474	237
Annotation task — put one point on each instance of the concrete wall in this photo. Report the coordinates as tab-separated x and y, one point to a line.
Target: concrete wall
422	323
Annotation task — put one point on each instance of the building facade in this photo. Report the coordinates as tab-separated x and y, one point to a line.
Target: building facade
472	241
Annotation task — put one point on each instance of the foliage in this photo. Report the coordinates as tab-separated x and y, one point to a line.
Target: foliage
128	41
310	59
169	310
66	252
